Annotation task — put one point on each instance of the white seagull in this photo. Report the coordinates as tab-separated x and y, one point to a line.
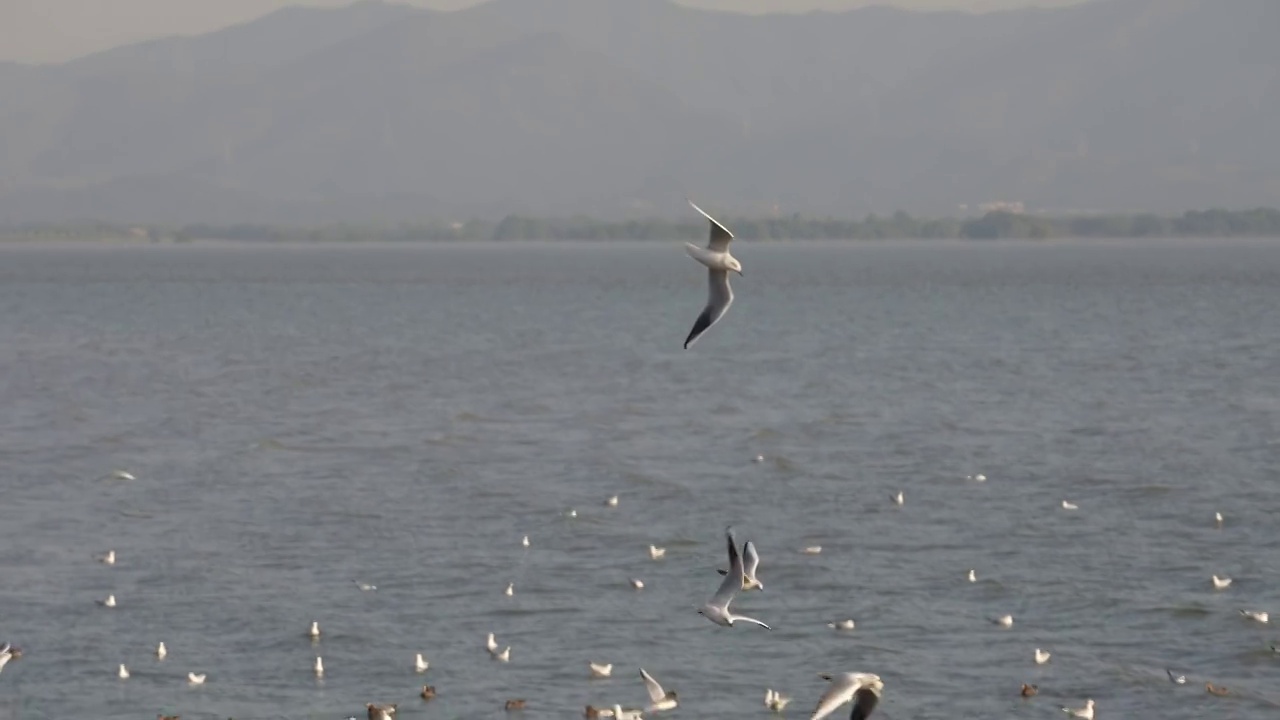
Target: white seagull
1069	505
123	475
109	558
601	671
659	699
420	663
525	541
109	602
366	587
1255	615
812	550
492	645
637	583
6	654
314	632
195	679
1042	657
620	714
1221	583
863	689
1217	517
751	561
511	590
161	650
1085	713
842	625
319	667
775	700
717	608
123	672
719	262
657	553
1004	621
1176	679
899	499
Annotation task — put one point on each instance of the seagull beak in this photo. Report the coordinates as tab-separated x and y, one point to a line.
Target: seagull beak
740	274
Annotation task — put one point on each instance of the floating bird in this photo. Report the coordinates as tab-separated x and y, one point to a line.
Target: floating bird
973	576
719	262
572	513
1085	713
717	609
161	650
612	502
1030	690
862	689
1221	583
1216	689
595	712
657	553
319	667
428	692
637	583
659	699
511	590
109	558
812	550
366	587
758	458
513	705
620	714
1042	657
775	700
978	478
314	632
381	712
751	562
123	475
1255	615
525	541
1176	679
168	717
899	499
601	671
195	679
1003	621
1069	505
1217	517
123	672
109	602
420	664
842	625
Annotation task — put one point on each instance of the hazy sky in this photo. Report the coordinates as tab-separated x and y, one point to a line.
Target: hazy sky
54	30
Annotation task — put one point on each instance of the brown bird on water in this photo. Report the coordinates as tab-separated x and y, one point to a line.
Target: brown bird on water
428	692
1215	689
591	712
381	712
1029	690
514	705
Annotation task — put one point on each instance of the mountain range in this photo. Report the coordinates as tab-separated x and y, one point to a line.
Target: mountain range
379	112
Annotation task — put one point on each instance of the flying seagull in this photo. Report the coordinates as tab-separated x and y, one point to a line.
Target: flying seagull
751	561
717	608
660	699
719	262
862	689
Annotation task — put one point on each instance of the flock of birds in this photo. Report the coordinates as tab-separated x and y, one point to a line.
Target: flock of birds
861	690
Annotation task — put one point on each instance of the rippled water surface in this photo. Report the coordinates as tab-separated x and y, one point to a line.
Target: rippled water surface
302	418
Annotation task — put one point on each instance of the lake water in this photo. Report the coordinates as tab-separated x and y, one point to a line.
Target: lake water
299	418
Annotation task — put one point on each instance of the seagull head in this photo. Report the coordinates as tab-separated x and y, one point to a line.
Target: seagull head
733	264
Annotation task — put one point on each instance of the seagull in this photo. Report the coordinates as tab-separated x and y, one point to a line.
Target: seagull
717	608
381	712
195	679
775	700
123	672
1176	679
842	625
161	650
1042	657
719	262
973	576
657	553
314	632
637	583
366	587
1221	583
1217	517
525	541
620	714
420	664
751	561
601	671
898	499
492	645
1085	713
977	478
319	667
1069	505
511	590
812	550
1255	615
109	558
659	699
862	689
572	513
1004	621
6	654
758	458
612	501
109	602
123	475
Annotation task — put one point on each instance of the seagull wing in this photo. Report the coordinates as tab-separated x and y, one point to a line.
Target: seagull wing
751	559
719	298
720	235
744	618
841	690
732	583
864	701
655	690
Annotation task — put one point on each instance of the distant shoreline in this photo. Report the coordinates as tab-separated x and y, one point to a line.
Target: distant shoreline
1258	222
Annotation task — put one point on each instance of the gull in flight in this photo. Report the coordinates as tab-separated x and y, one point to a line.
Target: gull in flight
1221	583
775	700
750	560
659	699
1176	679
1085	713
601	671
620	714
717	608
862	689
719	262
492	645
6	654
1255	615
1042	657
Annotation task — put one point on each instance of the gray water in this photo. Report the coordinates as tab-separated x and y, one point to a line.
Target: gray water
300	418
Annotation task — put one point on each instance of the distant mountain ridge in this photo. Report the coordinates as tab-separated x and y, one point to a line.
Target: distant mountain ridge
619	108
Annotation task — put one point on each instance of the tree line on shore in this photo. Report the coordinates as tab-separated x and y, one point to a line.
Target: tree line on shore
993	225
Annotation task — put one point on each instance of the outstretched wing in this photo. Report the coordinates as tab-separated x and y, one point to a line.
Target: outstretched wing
655	690
846	687
719	298
751	559
732	583
720	235
864	701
